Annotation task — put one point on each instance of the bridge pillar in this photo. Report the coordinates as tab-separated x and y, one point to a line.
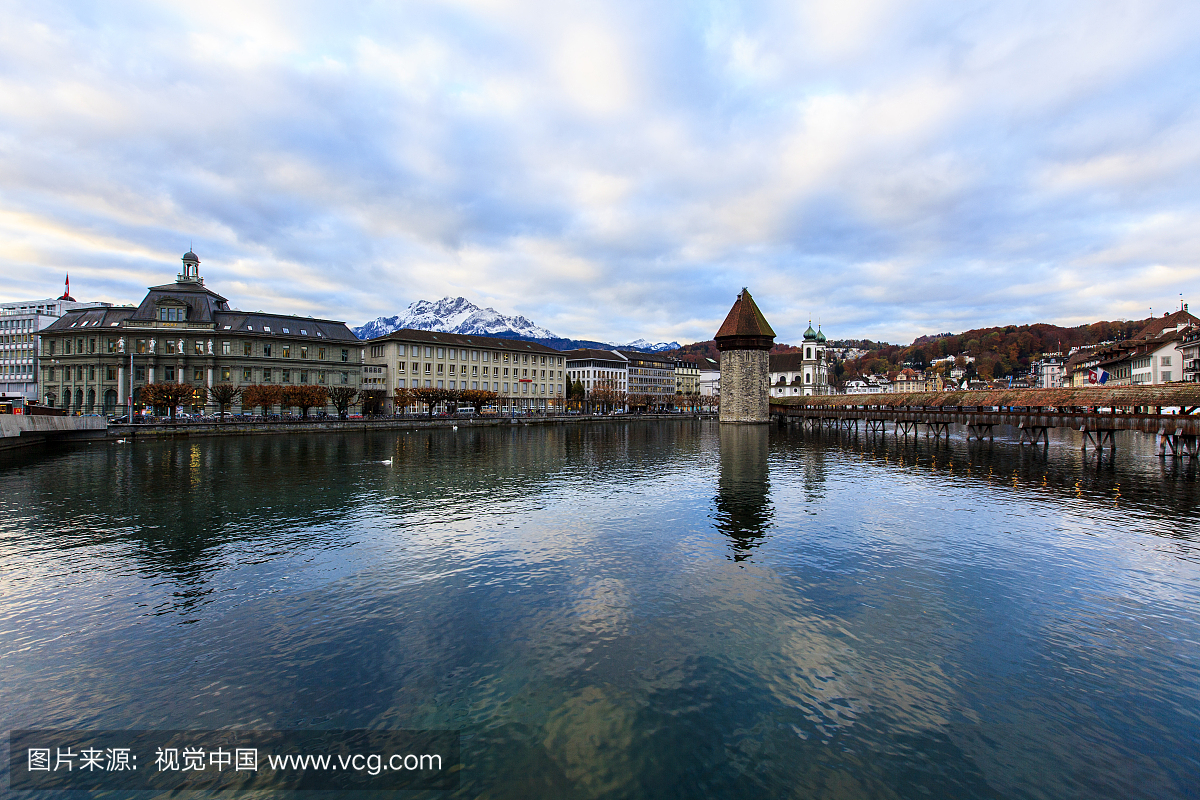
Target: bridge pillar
1032	434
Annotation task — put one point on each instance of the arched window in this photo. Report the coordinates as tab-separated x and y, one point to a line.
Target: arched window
807	378
808	352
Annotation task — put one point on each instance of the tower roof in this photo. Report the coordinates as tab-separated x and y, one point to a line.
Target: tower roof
810	334
745	328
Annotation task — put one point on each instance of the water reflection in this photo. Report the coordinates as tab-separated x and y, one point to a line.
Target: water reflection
628	609
743	505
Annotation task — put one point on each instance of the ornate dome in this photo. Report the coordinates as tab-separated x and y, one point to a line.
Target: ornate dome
820	336
190	256
810	334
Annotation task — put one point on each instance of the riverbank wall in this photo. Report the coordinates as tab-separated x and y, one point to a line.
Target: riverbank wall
166	430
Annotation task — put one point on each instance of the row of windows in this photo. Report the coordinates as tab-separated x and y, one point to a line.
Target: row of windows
179	347
491	386
225	374
415	368
16	324
457	354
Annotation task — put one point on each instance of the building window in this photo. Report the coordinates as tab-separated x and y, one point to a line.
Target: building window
287	351
199	347
112	346
320	354
304	376
198	374
400	383
226	373
267	375
139	373
345	377
287	376
1164	361
225	348
303	353
247	348
168	373
428	367
399	366
321	377
110	374
267	350
172	314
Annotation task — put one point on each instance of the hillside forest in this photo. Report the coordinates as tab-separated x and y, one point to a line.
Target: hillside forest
998	352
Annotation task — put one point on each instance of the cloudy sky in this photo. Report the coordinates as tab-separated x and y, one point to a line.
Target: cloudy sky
612	170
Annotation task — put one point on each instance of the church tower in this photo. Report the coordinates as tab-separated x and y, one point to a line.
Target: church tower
745	341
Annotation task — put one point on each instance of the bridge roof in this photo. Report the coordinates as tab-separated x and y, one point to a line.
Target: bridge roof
1181	394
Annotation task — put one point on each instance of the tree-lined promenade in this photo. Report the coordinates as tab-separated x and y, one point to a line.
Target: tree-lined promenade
269	400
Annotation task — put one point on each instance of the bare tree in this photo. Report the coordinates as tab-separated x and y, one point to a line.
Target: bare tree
342	397
223	394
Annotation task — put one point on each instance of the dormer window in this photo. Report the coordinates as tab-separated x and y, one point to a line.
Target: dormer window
172	313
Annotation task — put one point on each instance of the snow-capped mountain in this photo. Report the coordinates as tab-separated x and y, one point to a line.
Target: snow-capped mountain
460	315
647	347
454	315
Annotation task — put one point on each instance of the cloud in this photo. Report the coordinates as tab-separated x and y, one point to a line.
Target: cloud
614	171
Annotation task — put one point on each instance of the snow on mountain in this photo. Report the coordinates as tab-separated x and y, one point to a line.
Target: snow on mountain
460	315
453	315
647	347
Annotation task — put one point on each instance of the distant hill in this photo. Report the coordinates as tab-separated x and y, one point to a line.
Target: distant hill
998	351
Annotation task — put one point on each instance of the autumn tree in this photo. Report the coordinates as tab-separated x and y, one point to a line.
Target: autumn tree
478	398
308	396
429	396
168	395
402	399
223	394
264	396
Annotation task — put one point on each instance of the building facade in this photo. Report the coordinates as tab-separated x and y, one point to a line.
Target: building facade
1049	371
527	376
745	339
687	380
97	359
651	377
1189	354
597	369
21	324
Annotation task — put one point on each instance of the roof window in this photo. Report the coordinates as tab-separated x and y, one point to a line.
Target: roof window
303	332
227	327
267	328
285	330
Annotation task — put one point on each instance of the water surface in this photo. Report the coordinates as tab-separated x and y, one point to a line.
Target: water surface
634	609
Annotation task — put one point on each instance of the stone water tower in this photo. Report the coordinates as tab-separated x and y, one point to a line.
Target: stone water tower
745	340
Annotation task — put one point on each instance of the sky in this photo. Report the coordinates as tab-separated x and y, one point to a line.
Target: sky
613	170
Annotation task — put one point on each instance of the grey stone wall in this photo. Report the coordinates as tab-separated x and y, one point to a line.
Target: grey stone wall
745	383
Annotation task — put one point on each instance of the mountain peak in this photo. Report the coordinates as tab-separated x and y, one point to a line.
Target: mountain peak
453	315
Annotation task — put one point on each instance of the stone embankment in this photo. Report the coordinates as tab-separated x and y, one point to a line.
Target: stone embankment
166	430
23	430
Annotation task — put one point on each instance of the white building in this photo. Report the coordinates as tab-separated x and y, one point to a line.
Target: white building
20	344
596	369
1049	371
801	373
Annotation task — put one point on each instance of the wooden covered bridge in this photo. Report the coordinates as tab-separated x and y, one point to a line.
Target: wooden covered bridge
1169	412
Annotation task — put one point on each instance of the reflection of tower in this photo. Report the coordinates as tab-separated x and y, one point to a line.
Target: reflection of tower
743	508
744	340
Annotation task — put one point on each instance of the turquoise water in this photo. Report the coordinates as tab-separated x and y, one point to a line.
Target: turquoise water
633	609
